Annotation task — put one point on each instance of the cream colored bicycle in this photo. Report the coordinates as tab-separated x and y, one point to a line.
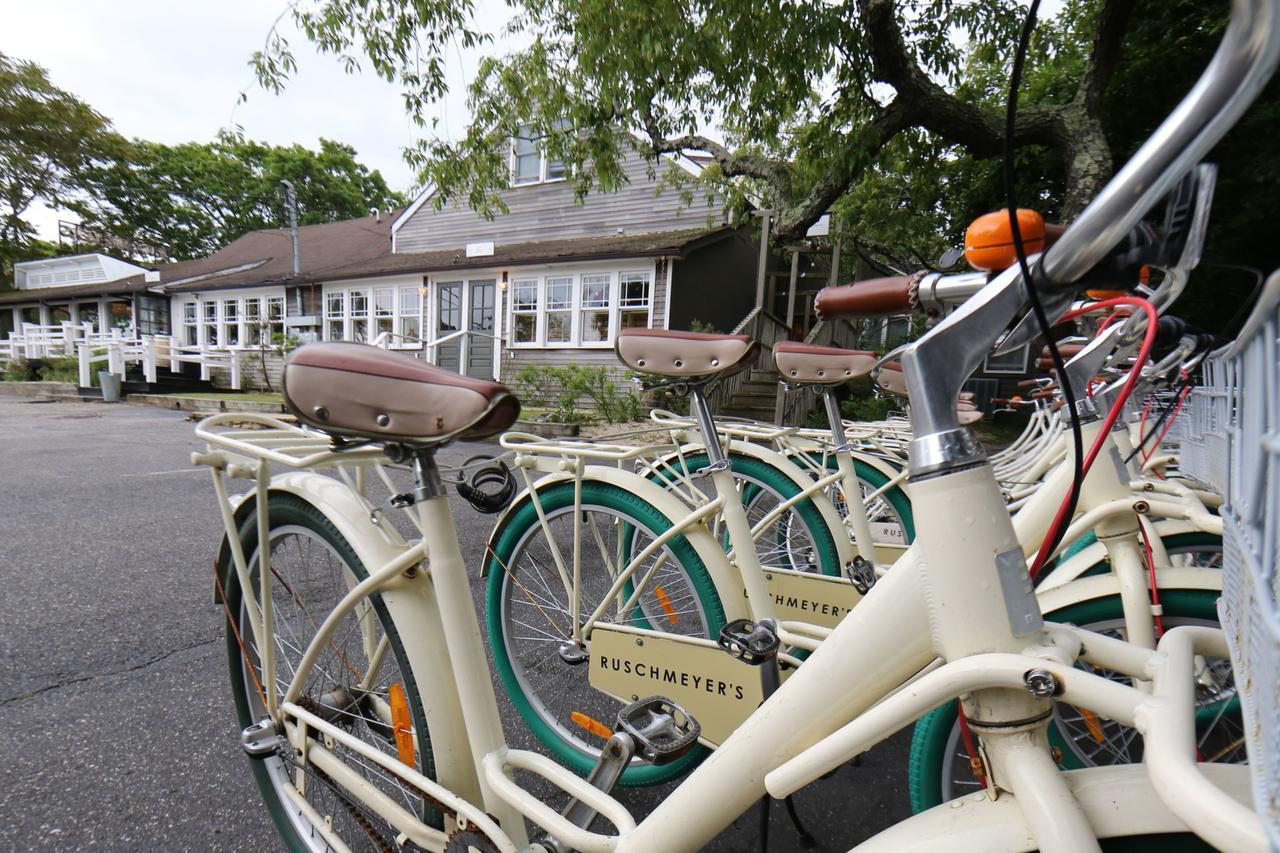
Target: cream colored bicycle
368	706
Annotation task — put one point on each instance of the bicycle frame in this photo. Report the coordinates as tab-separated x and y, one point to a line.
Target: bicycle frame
864	661
960	593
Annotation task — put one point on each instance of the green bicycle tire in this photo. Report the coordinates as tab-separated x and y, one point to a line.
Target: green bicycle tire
511	533
290	510
749	466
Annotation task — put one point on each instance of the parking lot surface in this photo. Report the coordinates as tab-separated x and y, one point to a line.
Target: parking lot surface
116	726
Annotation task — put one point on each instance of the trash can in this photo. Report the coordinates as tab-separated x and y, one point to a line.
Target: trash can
110	386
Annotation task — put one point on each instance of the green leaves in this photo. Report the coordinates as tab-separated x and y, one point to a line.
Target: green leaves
196	197
48	139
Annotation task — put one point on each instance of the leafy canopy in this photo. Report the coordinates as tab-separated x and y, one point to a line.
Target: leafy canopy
195	197
48	139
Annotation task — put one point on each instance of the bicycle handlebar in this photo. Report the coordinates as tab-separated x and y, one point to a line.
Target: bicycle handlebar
873	297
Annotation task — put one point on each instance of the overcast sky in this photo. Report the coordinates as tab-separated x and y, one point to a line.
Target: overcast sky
171	71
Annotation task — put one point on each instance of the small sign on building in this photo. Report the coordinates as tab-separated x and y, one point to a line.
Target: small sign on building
480	250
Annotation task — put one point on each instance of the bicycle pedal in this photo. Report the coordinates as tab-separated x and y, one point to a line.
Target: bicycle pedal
262	739
662	730
862	573
751	642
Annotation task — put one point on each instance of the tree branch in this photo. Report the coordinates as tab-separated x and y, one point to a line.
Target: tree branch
856	156
1104	57
928	105
775	173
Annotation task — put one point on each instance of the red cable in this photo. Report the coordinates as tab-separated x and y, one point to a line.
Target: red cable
1114	315
1148	341
1155	589
967	736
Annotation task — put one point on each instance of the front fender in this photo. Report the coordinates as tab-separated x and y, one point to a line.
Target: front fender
375	544
1090	555
1118	801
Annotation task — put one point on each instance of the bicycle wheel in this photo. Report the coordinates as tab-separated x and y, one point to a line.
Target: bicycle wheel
798	539
1203	550
892	522
312	567
939	763
529	614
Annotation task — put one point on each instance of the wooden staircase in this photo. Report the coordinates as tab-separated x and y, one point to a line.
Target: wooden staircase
754	398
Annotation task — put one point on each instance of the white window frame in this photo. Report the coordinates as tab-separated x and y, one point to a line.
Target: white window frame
648	304
402	302
543	161
1025	349
536	311
577	307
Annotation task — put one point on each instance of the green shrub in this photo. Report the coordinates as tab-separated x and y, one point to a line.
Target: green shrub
869	408
696	325
561	388
18	370
60	370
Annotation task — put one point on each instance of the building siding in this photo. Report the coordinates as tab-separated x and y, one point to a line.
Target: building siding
548	210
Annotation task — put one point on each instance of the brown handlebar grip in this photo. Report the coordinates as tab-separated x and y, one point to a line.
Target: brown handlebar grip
1042	395
1029	383
1067	351
874	297
1053	233
999	401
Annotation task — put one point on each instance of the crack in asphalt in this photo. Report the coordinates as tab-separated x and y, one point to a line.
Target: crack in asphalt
30	694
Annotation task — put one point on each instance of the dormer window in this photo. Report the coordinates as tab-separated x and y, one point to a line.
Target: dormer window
529	162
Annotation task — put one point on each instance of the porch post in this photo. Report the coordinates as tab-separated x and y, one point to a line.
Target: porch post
83	352
791	291
762	265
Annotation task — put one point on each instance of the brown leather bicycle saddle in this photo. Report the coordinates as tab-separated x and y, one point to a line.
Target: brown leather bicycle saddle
820	365
361	391
685	354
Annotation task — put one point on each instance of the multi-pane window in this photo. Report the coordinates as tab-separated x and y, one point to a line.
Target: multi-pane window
358	311
526	157
230	323
335	313
530	163
633	300
585	309
560	310
384	310
524	311
255	334
595	307
275	318
190	328
209	311
410	315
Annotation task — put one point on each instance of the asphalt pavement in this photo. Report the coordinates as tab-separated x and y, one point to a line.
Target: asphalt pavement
116	725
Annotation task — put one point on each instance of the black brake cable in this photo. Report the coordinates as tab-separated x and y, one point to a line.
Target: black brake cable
1167	408
1037	307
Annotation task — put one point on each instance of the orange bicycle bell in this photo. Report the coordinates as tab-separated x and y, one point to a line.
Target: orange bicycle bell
988	244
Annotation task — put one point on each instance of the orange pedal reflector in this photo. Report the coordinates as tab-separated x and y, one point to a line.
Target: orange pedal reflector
401	723
1091	723
591	724
665	601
